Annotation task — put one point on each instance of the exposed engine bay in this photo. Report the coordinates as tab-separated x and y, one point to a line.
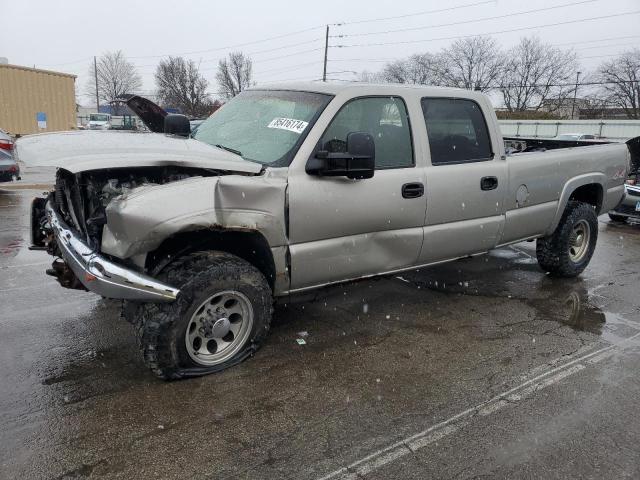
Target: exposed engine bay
81	199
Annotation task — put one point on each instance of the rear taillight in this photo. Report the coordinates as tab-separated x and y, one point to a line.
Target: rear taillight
6	144
13	168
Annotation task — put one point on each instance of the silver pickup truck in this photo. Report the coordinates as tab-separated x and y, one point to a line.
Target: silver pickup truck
294	187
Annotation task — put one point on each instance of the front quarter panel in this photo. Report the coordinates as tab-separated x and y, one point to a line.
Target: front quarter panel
138	222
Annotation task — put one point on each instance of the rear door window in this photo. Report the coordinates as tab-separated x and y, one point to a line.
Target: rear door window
457	131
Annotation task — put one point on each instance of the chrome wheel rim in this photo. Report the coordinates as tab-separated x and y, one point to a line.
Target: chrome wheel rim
579	241
219	328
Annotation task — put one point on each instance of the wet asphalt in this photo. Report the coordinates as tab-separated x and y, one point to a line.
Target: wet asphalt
481	368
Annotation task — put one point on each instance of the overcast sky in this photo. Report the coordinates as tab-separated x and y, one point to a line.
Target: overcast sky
64	36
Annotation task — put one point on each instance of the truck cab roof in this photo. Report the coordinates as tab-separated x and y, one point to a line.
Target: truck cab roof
358	88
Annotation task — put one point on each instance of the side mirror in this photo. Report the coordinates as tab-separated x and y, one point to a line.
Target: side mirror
176	124
357	163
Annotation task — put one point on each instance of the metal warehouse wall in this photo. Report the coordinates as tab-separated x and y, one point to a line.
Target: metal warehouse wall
25	92
612	129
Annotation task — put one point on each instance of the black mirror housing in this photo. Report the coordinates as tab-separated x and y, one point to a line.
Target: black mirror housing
357	163
176	124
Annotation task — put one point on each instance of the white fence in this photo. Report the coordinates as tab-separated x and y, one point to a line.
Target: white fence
611	129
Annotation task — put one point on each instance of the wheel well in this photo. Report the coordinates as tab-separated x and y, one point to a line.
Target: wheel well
248	245
591	193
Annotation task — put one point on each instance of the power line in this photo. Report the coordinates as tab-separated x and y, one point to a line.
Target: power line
606	46
288	34
635	12
286	69
415	14
306	77
237	45
288	55
463	22
597	40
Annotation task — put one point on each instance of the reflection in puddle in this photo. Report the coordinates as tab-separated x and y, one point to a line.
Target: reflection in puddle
512	273
11	231
572	309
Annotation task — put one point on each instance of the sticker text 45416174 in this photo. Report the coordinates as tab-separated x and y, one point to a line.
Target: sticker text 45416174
291	124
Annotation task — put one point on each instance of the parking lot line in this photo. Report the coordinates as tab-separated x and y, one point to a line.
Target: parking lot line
410	444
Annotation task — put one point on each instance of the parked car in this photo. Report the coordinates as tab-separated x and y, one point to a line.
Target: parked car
9	168
575	136
294	187
99	121
630	205
6	141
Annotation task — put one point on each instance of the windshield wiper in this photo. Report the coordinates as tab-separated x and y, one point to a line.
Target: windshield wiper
229	149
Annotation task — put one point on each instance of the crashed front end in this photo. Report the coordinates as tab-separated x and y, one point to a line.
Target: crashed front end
69	225
106	227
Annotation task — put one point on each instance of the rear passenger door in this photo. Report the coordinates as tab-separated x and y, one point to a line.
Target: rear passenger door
465	181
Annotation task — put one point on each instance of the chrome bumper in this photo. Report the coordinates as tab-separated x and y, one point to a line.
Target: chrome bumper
627	206
102	276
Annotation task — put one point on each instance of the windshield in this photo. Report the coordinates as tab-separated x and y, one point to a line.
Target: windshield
94	117
264	126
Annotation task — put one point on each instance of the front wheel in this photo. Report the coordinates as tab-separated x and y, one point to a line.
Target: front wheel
220	318
568	250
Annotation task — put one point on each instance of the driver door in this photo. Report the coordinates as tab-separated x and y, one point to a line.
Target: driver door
344	229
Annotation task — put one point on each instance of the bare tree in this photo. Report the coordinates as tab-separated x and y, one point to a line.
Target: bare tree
536	75
116	77
180	85
234	74
421	69
471	63
620	79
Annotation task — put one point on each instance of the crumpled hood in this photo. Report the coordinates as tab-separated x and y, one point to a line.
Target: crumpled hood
94	150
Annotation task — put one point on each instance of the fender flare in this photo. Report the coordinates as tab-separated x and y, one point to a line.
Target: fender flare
571	186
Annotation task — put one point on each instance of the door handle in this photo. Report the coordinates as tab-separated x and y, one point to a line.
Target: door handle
412	190
489	183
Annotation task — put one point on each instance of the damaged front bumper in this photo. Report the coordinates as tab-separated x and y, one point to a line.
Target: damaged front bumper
103	276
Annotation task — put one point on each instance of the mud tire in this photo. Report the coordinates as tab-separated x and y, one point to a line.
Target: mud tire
553	252
160	327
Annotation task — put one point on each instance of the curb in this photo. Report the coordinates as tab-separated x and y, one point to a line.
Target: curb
26	186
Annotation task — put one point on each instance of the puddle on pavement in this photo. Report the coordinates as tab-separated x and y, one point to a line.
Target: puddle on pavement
12	233
566	301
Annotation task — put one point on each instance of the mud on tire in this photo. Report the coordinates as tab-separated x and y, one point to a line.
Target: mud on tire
161	328
562	253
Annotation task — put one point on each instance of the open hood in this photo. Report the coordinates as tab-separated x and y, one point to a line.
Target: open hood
95	150
151	114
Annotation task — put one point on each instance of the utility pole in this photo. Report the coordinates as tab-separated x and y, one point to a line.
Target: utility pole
326	51
575	94
95	74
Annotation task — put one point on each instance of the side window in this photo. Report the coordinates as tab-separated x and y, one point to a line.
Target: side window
457	131
385	119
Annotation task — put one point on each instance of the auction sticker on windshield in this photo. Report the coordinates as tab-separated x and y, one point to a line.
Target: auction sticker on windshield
296	126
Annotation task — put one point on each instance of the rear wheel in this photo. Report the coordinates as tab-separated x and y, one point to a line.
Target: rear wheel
568	251
617	218
221	316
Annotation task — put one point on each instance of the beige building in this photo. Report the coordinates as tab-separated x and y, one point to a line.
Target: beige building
33	100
